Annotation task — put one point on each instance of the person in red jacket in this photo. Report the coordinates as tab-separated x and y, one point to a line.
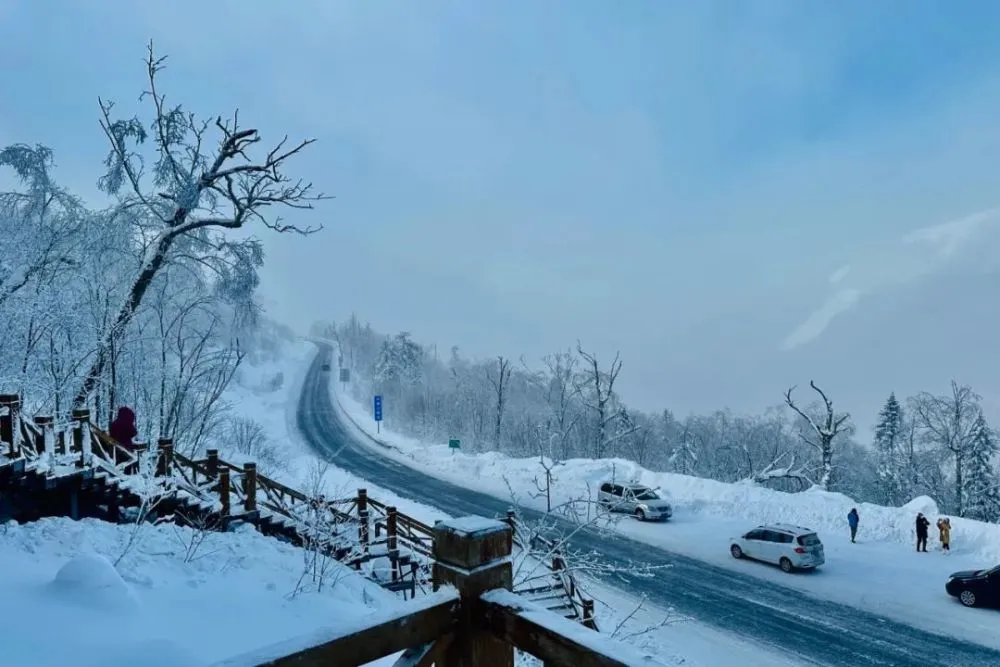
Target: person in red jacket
123	428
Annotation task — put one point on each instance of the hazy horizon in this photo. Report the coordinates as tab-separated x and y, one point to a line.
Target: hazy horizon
737	197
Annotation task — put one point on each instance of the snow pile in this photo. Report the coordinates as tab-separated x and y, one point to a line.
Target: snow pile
91	579
822	511
162	605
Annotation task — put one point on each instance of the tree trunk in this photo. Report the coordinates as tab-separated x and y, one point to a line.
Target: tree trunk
136	294
959	482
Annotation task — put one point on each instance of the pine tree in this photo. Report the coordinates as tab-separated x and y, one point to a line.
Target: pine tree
982	490
890	468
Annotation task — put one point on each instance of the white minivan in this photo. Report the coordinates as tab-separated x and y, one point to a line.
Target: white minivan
640	501
789	547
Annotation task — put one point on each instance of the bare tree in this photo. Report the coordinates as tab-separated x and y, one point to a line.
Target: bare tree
191	193
824	430
499	379
950	422
597	389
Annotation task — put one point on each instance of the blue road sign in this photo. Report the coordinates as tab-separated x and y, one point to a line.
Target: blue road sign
378	408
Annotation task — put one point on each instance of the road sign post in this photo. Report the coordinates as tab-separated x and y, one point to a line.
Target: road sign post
378	414
454	444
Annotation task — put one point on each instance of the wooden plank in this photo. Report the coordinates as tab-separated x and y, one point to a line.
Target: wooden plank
364	639
552	638
425	655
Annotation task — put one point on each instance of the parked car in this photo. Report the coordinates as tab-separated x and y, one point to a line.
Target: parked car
326	367
975	587
789	547
641	501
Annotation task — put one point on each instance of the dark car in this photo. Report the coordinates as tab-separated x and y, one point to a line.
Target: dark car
326	367
975	587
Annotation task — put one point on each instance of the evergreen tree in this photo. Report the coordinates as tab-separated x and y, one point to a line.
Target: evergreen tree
889	466
981	485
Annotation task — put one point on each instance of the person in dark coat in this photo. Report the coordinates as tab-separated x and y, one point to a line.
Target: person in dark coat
852	521
922	525
123	428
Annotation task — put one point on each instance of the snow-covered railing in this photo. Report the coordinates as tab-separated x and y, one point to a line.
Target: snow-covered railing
550	553
472	618
396	549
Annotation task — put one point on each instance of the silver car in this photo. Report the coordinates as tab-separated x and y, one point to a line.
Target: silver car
641	501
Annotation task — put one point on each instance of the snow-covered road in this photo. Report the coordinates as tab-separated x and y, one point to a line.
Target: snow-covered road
740	598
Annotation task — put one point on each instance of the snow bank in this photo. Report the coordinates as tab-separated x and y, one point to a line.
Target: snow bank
819	510
161	605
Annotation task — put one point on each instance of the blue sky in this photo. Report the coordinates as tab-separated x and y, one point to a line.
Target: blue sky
674	180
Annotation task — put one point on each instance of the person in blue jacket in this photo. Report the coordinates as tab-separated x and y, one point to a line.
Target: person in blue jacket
852	521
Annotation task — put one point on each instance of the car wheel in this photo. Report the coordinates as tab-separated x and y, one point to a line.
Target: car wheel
736	551
640	515
785	565
968	598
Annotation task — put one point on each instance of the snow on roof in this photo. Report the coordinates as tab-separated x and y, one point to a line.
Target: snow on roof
471	525
581	635
346	626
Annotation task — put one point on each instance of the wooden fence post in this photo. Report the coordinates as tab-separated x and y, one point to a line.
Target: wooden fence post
40	440
224	490
391	546
81	435
8	423
588	614
165	462
212	463
473	555
363	516
249	487
511	520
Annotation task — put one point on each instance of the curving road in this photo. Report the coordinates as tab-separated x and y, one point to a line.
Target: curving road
788	621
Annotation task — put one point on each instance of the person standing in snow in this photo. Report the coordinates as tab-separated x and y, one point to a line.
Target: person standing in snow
922	525
123	429
852	521
944	528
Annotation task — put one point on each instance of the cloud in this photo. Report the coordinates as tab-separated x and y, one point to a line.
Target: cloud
819	319
918	254
948	237
839	274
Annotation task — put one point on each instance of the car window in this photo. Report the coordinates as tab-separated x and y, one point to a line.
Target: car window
755	535
785	538
645	494
772	536
810	540
616	489
606	488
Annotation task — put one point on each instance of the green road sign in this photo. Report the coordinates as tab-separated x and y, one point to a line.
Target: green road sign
454	443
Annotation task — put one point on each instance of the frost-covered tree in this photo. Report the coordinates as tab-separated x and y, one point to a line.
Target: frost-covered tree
982	487
820	431
949	423
890	467
189	201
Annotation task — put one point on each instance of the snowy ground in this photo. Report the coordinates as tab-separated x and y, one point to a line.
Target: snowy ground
64	601
882	573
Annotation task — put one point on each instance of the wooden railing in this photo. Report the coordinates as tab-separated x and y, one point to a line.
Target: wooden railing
241	493
472	619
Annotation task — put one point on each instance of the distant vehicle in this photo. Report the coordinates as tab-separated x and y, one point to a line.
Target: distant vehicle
975	587
789	547
640	501
326	367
